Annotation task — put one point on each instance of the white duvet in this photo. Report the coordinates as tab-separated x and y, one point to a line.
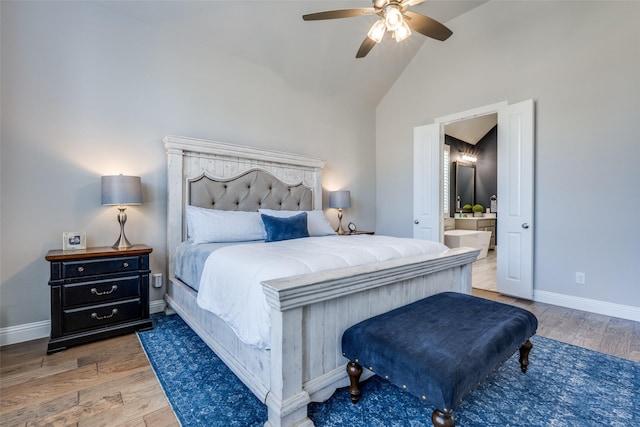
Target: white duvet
230	285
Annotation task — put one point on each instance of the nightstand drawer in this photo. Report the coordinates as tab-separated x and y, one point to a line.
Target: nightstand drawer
100	315
100	291
92	268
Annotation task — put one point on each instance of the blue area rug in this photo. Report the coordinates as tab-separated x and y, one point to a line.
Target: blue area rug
564	386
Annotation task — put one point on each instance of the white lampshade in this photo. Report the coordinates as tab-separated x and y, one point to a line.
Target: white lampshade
340	199
121	190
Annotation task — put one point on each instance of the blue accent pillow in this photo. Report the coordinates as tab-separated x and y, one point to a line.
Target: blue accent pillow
293	227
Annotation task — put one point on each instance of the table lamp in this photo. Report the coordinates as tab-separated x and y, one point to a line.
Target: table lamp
340	200
121	190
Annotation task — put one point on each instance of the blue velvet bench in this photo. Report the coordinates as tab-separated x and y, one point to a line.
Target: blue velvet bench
439	348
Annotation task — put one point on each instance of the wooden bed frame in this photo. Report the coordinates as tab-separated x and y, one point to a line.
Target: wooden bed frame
310	312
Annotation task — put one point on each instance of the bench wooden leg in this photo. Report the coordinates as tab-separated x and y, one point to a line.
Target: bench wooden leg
524	355
441	418
354	370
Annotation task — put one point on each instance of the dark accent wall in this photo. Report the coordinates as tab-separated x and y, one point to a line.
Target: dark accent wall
486	167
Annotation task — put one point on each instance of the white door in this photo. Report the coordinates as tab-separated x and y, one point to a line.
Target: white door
427	209
514	237
515	190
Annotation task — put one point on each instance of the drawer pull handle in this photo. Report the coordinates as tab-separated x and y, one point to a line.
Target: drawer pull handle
113	313
126	264
95	291
80	269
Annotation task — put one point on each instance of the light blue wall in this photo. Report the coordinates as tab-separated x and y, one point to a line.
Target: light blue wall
88	92
580	62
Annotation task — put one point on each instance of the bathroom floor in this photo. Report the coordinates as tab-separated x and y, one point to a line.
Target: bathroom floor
484	272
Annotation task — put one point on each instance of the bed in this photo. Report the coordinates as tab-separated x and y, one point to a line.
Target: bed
308	312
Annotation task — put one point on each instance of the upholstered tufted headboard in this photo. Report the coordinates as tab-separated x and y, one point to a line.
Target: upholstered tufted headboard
233	177
252	190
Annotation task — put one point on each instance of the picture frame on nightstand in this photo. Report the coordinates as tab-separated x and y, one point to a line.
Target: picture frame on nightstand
74	240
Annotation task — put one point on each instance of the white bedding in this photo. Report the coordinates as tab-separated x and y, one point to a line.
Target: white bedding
190	259
230	285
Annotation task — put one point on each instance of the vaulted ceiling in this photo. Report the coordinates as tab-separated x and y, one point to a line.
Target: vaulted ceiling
472	130
318	56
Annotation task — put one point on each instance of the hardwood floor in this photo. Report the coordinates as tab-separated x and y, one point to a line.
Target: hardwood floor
107	383
110	382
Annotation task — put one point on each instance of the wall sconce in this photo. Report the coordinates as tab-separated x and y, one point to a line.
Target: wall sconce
122	191
340	200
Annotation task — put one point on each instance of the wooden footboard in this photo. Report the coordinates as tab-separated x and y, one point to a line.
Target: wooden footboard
308	316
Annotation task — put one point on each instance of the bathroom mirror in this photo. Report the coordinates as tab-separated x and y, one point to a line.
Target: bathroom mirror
465	184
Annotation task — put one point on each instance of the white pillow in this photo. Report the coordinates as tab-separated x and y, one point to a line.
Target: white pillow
210	225
317	223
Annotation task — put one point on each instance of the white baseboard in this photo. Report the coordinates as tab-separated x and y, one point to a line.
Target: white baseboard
25	332
593	306
36	330
157	306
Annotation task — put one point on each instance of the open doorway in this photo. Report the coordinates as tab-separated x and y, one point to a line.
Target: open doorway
470	188
515	167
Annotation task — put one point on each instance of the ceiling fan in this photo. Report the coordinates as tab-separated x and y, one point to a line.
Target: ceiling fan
394	17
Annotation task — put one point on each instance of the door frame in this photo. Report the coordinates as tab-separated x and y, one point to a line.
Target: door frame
468	114
440	122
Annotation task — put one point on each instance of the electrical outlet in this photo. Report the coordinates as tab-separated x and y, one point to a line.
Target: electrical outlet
157	280
580	278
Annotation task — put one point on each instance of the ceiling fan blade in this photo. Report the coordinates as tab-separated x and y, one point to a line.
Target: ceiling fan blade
365	47
411	2
344	13
427	26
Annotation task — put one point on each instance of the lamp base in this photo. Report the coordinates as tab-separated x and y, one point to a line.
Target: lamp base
340	230
122	242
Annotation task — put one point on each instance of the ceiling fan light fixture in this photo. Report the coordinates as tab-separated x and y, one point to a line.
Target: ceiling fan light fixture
402	32
394	16
393	19
376	33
